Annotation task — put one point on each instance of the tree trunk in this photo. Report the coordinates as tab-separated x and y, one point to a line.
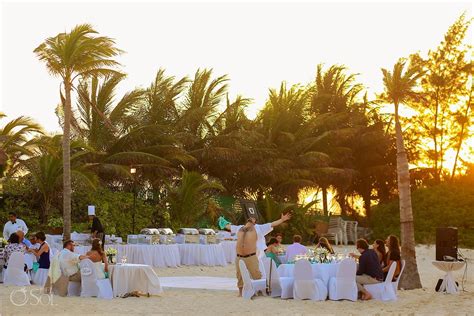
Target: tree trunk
461	135
67	162
325	200
366	196
410	279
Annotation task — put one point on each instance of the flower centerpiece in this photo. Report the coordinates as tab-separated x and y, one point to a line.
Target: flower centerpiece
321	255
111	254
3	242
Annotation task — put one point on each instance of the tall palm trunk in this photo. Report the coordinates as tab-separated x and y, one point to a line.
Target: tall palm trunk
324	191
464	126
410	279
67	162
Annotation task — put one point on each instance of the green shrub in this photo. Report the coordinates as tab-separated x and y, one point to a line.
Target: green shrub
448	204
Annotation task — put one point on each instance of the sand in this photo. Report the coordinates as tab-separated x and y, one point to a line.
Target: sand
183	301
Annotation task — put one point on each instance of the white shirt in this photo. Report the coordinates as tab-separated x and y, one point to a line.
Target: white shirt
68	262
295	249
11	228
261	230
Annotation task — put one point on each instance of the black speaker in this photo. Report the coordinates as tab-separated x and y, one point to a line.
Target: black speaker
446	243
250	209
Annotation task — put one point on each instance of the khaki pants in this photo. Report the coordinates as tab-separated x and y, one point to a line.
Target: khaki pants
365	279
61	285
252	266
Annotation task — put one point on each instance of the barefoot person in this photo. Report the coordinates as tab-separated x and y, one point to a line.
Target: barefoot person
369	271
251	245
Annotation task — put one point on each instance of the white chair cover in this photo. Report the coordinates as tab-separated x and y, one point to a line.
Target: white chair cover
280	287
40	276
384	291
15	273
395	284
305	287
74	289
343	286
250	286
91	286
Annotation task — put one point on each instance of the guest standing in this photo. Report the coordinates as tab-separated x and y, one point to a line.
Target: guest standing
369	271
13	225
42	254
393	255
250	243
296	248
14	245
97	230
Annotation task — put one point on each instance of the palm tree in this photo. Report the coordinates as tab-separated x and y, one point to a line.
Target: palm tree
399	88
46	169
188	198
16	143
79	53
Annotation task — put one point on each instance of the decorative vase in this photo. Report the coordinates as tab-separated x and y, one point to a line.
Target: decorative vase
111	258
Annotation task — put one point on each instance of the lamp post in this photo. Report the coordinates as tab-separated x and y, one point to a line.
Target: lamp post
133	171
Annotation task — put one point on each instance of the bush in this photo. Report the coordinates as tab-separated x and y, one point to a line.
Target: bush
448	204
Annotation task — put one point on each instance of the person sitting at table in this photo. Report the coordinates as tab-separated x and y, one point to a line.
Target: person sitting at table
324	243
14	245
272	251
23	240
393	255
369	270
379	247
296	248
42	254
69	266
98	257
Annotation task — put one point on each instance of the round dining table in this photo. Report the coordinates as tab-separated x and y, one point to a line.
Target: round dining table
129	277
324	271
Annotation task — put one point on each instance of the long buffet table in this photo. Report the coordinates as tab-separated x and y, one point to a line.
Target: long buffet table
173	255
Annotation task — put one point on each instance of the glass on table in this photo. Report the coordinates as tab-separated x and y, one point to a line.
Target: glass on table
124	259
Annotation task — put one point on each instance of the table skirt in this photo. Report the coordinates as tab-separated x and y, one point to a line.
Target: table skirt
134	277
198	254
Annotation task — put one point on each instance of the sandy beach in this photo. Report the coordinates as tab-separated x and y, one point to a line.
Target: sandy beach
210	302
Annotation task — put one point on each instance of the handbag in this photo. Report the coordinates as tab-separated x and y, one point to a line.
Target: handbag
36	266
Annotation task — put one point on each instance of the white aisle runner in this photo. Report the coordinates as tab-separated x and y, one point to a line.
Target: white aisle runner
198	282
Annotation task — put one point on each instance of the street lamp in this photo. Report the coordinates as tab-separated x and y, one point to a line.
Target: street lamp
133	171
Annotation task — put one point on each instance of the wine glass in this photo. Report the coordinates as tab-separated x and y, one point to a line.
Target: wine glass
124	259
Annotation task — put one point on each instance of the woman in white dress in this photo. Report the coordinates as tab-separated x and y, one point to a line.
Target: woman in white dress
98	257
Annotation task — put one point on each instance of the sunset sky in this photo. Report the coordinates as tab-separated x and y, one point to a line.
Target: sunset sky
257	45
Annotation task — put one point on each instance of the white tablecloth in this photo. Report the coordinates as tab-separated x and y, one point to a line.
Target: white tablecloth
327	270
198	254
154	255
230	251
134	277
449	285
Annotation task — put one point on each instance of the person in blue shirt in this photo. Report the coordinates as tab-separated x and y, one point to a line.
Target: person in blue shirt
369	271
24	240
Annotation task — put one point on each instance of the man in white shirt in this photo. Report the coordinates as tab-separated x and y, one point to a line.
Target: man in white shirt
251	244
13	225
295	249
69	265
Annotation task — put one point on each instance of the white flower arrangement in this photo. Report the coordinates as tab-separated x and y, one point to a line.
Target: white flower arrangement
3	242
111	252
321	254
